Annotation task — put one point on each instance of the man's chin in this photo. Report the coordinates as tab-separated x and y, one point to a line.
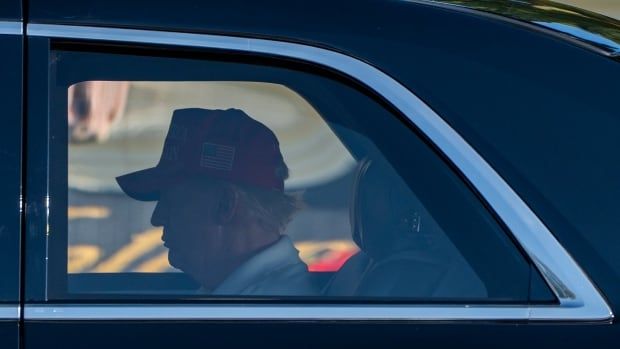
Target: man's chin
174	262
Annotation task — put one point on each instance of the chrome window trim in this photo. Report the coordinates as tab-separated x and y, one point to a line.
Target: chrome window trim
270	312
9	312
11	28
579	299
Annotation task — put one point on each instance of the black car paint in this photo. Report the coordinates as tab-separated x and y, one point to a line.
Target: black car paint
489	63
10	172
36	159
9	334
420	45
586	26
265	334
10	10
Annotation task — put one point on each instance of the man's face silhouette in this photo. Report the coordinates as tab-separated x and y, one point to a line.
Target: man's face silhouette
198	237
209	216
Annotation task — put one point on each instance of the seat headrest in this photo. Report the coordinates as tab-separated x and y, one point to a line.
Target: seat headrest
385	214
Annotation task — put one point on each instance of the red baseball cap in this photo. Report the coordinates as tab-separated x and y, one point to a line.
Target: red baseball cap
222	144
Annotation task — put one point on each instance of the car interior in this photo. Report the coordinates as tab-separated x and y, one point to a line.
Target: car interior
409	232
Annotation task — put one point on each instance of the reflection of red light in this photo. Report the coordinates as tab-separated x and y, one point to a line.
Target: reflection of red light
333	261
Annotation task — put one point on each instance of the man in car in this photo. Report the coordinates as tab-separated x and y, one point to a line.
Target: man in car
219	187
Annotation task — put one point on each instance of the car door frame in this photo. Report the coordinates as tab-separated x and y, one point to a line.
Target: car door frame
11	39
579	300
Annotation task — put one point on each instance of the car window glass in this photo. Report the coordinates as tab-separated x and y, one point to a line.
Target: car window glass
207	178
139	132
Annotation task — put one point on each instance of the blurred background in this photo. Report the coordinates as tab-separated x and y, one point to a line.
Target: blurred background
609	8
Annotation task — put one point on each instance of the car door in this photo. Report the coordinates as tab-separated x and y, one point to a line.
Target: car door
10	171
97	275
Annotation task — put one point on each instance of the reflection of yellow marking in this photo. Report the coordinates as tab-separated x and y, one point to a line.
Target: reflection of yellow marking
156	264
82	257
309	249
140	244
96	212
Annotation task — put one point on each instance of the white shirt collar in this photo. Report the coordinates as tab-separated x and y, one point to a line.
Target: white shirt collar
279	255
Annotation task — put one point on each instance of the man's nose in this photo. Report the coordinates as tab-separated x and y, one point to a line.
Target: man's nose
160	214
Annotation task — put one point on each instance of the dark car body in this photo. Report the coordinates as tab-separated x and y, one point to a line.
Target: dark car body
502	80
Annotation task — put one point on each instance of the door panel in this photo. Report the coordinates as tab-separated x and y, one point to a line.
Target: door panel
167	335
9	334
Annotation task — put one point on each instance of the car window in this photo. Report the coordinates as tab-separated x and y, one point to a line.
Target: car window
210	177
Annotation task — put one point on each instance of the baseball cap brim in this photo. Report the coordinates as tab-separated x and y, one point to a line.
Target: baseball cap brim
145	185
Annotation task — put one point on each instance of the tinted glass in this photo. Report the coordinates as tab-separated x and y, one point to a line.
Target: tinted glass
207	178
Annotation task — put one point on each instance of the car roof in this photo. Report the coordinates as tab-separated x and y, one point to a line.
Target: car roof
588	27
582	27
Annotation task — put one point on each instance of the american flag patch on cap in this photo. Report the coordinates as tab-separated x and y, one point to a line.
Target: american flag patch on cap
217	156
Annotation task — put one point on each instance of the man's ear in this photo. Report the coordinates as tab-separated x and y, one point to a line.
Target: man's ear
228	204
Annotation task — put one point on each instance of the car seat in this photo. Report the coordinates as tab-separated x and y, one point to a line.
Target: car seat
403	251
